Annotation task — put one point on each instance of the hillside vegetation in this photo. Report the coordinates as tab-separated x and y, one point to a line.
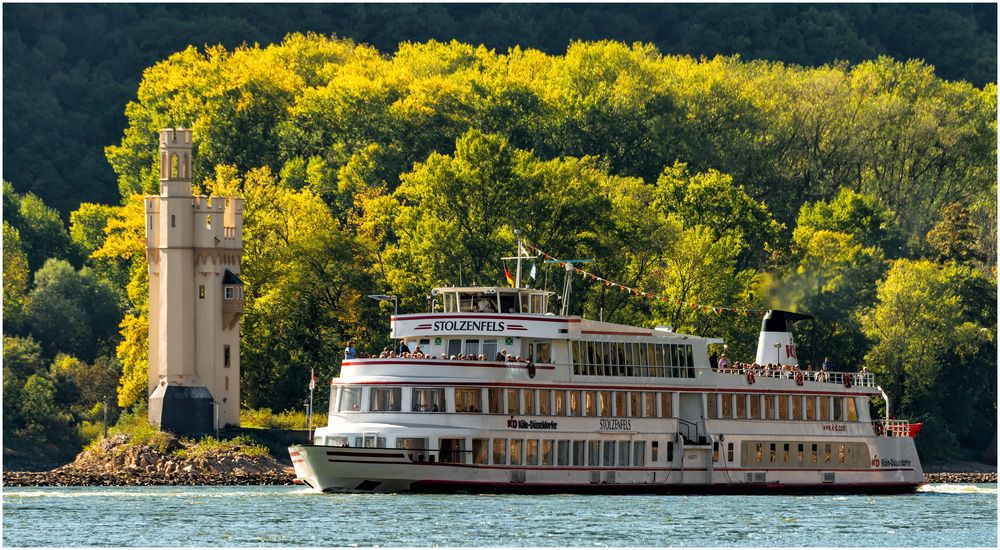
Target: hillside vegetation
863	194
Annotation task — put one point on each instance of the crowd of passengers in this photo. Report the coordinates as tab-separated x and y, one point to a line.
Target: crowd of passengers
405	353
777	371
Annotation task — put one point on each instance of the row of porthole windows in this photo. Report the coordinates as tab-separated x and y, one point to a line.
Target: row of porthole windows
524	452
510	401
785	454
782	407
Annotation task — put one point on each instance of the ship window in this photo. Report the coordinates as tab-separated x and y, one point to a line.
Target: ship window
769	407
531	453
454	347
416	444
650	404
485	304
741	406
715	451
852	412
838	408
508	302
452	450
372	441
783	407
538	304
729	452
666	405
635	403
621	409
624	449
593	453
824	408
495	400
813	452
428	400
480	451
546	452
727	405
449	302
589	403
574	348
385	399
515	452
609	453
604	398
575	405
841	453
350	398
578	453
623	357
529	402
670	451
472	349
827	452
796	407
802	457
543	352
810	408
785	453
499	451
468	400
545	402
562	452
755	407
759	453
773	455
513	401
654	451
490	349
713	405
560	402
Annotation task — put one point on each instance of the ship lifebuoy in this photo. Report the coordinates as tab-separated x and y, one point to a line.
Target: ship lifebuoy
531	369
799	379
750	377
847	380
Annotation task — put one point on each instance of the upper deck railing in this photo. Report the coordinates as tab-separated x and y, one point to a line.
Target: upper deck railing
847	379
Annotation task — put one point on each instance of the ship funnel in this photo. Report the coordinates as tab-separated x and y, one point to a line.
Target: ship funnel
775	344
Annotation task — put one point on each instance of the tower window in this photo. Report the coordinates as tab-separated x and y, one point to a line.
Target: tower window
173	220
208	223
225	358
201	291
227	383
229	293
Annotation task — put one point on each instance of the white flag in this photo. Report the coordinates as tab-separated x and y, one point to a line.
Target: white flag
312	380
532	274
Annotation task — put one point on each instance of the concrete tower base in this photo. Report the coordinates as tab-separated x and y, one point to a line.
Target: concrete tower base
181	409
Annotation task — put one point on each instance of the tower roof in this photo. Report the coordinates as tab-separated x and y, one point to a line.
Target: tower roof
230	278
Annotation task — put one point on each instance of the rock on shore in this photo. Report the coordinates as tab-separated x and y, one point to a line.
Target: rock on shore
114	461
961	477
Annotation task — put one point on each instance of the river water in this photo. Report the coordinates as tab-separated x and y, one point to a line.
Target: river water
938	515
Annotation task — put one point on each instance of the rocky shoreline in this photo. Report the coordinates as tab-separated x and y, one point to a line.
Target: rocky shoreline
75	478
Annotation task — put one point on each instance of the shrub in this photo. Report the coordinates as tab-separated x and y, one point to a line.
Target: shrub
265	418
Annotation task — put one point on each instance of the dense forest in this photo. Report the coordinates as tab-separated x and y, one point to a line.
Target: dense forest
863	193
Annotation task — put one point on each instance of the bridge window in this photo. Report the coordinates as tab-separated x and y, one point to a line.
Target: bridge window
350	399
509	302
385	399
428	400
468	400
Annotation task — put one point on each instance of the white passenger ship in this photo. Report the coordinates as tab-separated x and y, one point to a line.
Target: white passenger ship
507	397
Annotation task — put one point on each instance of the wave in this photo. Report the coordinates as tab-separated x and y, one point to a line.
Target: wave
118	493
957	489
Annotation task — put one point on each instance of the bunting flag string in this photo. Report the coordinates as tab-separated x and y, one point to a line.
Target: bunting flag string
718	310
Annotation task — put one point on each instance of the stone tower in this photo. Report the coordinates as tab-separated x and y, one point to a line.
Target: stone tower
193	247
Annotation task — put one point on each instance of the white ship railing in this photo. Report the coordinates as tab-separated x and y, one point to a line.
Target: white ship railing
892	428
863	379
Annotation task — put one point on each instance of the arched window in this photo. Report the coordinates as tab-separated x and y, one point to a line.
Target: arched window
174	168
164	166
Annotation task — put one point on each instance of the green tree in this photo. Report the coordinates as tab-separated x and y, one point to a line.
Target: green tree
924	341
71	311
42	232
954	237
15	279
859	215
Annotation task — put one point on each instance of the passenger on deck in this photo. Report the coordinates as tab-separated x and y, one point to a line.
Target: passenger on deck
403	348
417	354
349	351
385	352
501	355
823	375
723	361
